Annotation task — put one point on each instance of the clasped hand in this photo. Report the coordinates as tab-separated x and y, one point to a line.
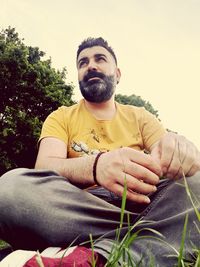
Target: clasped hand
172	156
176	156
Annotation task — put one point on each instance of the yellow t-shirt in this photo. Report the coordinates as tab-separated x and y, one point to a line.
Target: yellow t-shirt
85	135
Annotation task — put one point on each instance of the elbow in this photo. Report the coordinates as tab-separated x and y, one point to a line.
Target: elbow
39	165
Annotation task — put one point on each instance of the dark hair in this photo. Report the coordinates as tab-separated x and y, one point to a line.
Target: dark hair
90	42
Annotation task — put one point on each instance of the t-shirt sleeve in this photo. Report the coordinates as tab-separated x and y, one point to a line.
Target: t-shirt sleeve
55	126
151	128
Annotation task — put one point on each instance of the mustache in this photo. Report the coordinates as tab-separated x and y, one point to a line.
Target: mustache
93	74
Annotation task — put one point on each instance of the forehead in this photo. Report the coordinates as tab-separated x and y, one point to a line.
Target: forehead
92	51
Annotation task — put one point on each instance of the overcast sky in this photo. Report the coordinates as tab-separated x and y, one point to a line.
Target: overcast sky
157	43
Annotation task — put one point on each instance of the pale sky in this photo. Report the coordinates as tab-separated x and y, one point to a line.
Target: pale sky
157	43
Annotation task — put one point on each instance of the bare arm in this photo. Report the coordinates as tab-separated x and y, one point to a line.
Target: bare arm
141	171
52	155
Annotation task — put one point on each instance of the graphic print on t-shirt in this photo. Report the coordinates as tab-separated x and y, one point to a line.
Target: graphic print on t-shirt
91	142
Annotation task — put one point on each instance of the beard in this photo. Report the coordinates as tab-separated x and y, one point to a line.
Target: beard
97	90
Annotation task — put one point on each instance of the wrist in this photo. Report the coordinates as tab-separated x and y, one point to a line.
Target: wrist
95	167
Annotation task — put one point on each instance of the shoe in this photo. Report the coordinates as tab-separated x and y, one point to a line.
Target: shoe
4	252
77	256
80	257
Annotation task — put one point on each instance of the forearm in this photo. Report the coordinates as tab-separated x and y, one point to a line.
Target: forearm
141	172
77	170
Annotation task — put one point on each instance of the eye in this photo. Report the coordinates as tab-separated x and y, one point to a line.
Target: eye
100	58
82	63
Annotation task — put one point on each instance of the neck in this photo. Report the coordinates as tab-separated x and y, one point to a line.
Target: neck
102	111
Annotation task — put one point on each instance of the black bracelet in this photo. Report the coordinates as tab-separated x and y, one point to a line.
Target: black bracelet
95	167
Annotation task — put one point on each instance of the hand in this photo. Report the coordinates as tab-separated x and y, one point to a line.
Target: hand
176	155
139	169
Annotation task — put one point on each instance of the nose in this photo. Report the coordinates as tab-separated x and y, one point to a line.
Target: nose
92	65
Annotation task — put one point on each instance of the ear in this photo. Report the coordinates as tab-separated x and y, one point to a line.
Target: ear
118	74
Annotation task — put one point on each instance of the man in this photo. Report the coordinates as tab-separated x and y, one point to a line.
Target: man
100	142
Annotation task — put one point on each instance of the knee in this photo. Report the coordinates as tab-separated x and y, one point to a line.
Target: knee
14	172
24	189
11	180
10	187
16	190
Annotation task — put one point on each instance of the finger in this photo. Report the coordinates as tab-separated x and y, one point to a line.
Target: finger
188	165
182	149
175	164
144	160
168	146
141	173
195	168
139	186
155	153
133	196
183	158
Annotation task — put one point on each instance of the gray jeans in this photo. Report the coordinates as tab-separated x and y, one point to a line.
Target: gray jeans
38	209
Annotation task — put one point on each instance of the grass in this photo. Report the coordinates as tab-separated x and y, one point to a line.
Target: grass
3	244
121	248
180	257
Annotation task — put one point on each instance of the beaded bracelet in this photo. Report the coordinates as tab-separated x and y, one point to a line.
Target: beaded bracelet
95	167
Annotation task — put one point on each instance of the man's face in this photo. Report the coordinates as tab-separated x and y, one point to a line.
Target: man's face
97	74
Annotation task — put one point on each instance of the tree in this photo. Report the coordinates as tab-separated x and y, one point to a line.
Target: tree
136	101
30	89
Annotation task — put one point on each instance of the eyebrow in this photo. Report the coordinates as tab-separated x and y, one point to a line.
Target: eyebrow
96	56
99	55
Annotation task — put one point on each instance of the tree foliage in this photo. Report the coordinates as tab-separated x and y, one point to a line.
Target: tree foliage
30	89
136	101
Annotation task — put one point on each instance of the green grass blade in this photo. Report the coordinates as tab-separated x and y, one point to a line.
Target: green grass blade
123	205
180	258
198	229
190	197
197	263
92	247
60	264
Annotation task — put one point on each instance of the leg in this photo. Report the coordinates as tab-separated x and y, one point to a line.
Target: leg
166	212
40	209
